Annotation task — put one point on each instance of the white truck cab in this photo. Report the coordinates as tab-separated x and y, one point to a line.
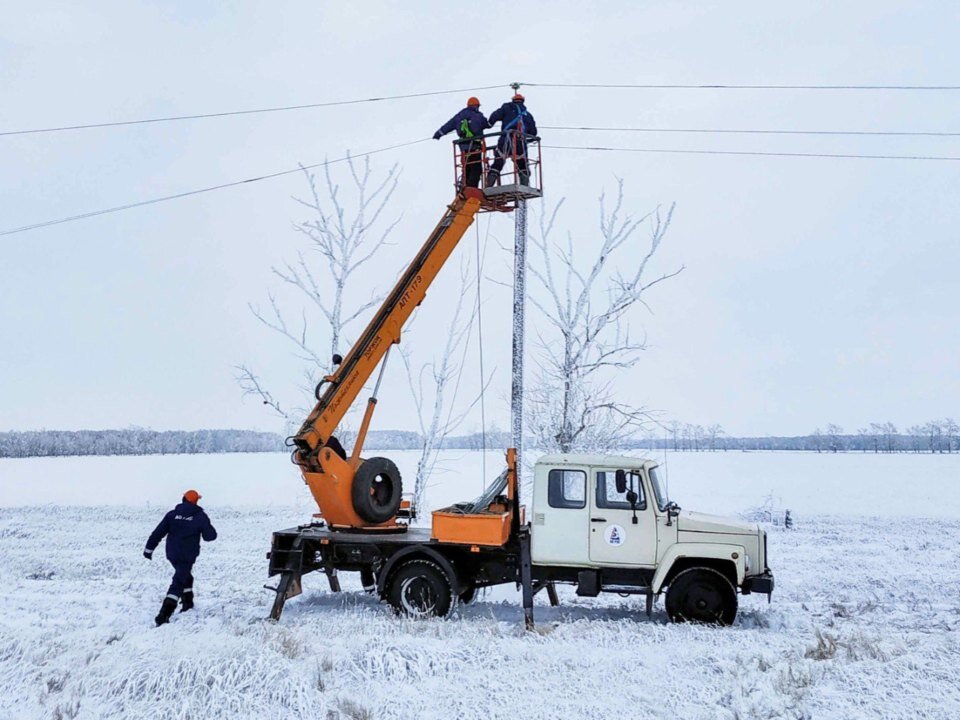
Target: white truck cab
609	519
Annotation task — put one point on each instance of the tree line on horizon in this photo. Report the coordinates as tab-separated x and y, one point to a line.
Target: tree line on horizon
937	436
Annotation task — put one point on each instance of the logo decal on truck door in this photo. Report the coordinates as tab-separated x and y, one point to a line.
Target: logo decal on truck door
615	535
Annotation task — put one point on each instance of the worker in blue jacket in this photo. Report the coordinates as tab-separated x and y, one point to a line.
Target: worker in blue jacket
516	123
183	527
469	124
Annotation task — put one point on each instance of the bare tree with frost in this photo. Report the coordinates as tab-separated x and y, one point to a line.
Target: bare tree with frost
346	234
835	439
586	342
714	432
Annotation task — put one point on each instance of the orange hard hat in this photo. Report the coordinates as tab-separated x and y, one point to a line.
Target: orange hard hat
518	98
192	496
473	101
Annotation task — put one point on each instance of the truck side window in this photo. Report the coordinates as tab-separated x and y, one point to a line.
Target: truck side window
608	497
567	489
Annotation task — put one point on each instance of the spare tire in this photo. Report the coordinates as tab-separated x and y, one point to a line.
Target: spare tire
377	490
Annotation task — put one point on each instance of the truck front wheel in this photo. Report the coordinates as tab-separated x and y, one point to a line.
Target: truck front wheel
702	594
420	588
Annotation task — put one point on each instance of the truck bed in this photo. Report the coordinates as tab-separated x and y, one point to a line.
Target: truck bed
307	548
319	533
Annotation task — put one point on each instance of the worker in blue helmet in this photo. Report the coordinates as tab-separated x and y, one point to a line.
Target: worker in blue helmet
516	124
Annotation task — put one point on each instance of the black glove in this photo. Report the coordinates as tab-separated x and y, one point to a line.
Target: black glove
437	135
148	554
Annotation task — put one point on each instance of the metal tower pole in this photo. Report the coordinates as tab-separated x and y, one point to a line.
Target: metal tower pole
516	396
519	297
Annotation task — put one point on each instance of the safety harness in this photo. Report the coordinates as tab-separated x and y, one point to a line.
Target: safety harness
522	111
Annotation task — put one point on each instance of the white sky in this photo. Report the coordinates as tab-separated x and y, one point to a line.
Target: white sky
816	291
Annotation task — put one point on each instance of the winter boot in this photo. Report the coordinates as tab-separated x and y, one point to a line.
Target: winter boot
186	601
493	177
166	610
524	177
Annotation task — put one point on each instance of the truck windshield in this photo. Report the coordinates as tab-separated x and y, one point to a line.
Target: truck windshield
658	490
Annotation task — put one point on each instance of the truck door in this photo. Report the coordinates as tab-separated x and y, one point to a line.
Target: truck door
614	538
560	516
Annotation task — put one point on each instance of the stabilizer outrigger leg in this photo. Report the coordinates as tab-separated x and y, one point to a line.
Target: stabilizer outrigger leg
526	578
289	585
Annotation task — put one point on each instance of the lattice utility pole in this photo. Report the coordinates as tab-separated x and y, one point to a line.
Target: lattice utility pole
519	298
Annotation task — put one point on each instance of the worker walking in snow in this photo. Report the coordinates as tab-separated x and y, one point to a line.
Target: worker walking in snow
469	124
183	527
516	123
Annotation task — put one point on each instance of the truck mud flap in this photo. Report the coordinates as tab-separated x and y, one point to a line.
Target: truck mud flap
588	583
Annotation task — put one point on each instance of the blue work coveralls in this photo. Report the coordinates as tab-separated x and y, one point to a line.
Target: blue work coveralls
183	527
469	124
516	122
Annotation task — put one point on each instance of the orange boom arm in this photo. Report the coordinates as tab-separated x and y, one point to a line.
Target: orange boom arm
323	470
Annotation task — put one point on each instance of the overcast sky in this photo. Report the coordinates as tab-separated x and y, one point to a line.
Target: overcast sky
815	290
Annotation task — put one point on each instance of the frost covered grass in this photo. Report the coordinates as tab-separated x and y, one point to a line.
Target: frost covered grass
864	621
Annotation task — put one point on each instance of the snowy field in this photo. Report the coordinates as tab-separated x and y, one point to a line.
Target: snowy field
864	622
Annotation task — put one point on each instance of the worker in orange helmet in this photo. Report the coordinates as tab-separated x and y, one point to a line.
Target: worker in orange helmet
469	124
516	125
183	527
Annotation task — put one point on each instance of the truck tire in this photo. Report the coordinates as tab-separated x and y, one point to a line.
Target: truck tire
420	588
702	594
377	490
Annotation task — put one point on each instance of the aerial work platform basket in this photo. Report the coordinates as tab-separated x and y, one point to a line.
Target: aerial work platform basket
520	176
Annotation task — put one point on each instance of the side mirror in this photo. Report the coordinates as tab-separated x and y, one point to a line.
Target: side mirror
621	477
673	510
632	497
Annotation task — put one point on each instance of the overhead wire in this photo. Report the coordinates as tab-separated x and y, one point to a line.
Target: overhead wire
254	111
736	86
759	153
754	131
198	191
407	96
587	148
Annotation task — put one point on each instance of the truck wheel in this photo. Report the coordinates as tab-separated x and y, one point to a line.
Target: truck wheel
376	490
420	588
702	594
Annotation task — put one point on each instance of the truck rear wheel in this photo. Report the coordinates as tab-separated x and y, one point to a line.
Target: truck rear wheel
377	490
702	594
420	588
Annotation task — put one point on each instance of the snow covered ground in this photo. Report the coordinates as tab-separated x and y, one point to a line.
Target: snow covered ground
864	622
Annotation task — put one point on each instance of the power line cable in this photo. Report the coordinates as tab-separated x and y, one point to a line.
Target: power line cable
283	108
188	193
335	103
732	86
753	153
198	191
880	133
